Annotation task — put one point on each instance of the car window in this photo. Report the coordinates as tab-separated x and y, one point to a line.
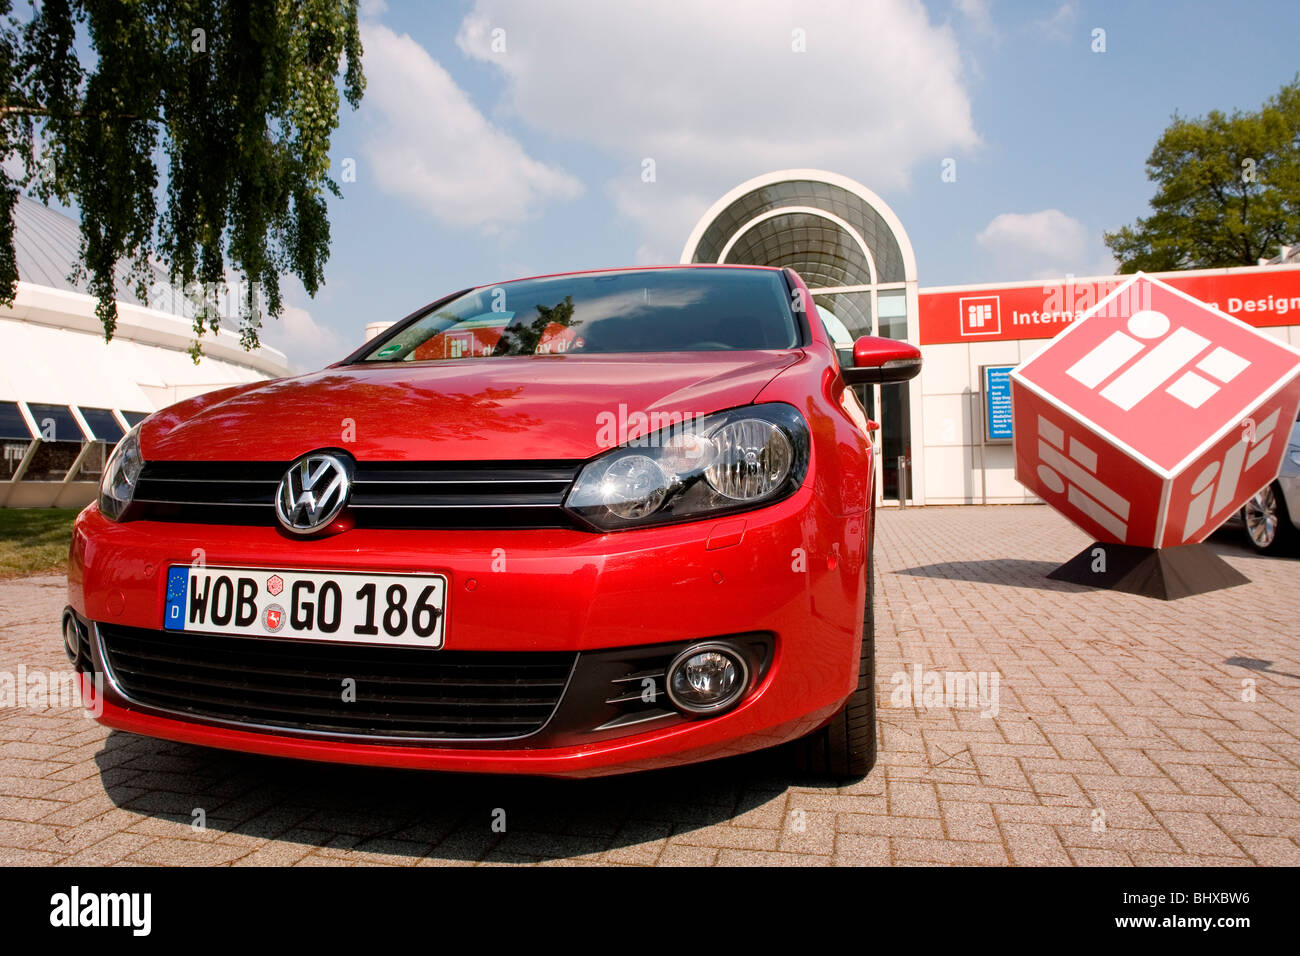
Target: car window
658	310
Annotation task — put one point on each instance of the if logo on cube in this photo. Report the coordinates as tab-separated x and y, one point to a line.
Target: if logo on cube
1154	416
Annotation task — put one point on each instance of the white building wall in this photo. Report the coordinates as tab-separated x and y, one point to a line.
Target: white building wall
52	351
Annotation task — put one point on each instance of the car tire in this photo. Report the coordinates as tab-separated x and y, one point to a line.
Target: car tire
1268	523
845	749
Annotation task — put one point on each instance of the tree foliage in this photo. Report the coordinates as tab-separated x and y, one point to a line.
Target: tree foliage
15	141
1228	191
198	135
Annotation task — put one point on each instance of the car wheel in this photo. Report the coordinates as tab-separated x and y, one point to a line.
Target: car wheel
1268	525
845	749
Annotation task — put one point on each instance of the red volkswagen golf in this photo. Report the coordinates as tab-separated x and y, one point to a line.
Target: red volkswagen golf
571	525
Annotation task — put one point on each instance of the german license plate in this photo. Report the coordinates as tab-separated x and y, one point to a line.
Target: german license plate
352	608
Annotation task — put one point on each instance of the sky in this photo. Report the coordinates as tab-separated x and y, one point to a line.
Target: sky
499	139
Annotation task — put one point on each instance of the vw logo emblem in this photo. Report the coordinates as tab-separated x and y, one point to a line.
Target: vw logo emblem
312	493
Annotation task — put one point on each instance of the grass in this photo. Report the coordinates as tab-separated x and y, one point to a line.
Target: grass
34	540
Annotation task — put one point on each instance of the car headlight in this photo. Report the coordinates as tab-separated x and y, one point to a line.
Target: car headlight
117	486
715	464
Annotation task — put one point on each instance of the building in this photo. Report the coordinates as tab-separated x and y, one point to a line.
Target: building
945	437
66	395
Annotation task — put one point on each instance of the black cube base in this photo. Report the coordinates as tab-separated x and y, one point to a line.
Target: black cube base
1164	573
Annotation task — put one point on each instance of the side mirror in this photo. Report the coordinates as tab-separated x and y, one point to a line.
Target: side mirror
878	361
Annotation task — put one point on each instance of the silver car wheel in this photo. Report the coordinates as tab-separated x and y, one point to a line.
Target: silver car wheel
1260	515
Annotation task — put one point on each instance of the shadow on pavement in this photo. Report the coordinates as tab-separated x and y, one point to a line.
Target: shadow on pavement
439	815
1228	541
1015	572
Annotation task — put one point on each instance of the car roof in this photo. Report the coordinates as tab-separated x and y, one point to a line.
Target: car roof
593	272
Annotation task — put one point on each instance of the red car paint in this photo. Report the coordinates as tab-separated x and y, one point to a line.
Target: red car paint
794	569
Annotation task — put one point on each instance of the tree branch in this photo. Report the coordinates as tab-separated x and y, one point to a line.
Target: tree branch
76	114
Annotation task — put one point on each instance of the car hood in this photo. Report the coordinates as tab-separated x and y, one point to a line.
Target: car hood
520	408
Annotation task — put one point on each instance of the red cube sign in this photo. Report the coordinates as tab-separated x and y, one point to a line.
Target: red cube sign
1154	416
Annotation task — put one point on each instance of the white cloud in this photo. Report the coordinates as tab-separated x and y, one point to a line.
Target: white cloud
1042	244
715	93
306	343
428	143
1060	24
665	216
977	12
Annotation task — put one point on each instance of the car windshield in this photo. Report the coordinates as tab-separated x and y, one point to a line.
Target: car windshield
659	310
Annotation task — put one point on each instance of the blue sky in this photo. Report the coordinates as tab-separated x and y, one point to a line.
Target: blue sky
499	139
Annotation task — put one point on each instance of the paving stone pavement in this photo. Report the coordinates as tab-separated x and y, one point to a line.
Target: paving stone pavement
1126	732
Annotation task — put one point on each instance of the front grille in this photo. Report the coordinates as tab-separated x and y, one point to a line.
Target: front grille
481	494
299	685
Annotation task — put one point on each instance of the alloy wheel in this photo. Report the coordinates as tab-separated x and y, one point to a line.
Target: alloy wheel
1260	514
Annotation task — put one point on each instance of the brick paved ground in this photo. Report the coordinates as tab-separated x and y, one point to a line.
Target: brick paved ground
1121	737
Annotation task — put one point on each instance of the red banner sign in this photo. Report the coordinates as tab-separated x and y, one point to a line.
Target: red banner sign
1259	296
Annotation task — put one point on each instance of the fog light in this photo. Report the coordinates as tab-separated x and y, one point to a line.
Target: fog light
707	679
72	638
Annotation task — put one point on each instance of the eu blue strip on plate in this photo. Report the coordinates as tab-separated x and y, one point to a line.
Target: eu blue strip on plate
174	611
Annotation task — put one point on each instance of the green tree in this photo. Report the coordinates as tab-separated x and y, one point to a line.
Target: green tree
15	142
235	100
1228	191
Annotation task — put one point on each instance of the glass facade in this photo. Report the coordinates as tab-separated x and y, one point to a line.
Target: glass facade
891	305
51	460
853	309
59	450
55	422
103	423
12	424
816	248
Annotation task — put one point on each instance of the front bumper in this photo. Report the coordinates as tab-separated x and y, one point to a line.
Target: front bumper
790	573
